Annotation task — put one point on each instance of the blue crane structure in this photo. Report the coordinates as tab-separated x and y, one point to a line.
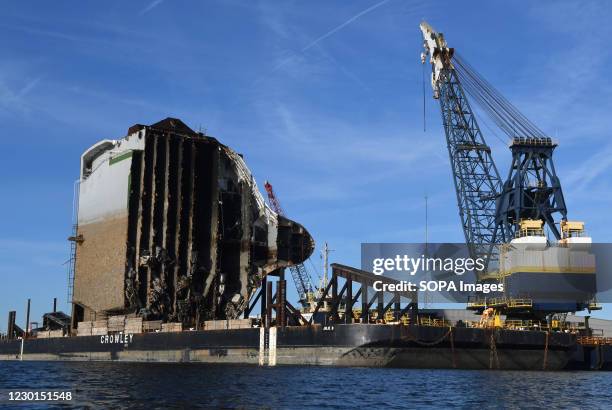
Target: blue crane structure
490	209
475	176
494	212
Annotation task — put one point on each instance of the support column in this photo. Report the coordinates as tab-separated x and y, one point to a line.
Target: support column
268	321
348	311
335	302
11	324
27	328
272	347
414	313
365	317
396	307
262	345
264	300
281	297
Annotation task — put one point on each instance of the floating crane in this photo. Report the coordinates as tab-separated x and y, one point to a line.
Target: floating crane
490	210
476	178
500	216
300	275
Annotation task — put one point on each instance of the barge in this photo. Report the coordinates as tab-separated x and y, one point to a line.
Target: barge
367	345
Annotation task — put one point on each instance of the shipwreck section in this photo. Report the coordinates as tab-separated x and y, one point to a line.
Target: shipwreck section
172	226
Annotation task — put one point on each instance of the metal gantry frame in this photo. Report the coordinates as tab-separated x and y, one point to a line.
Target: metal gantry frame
344	297
274	303
338	300
532	190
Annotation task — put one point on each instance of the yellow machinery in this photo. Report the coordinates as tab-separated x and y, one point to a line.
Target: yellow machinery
572	229
530	227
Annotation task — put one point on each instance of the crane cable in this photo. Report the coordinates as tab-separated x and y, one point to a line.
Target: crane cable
503	113
424	120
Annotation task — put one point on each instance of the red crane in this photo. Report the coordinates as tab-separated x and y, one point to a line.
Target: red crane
301	278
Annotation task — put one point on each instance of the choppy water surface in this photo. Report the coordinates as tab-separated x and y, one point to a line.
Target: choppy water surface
129	385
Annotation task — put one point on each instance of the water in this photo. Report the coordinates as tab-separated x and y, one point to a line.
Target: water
147	385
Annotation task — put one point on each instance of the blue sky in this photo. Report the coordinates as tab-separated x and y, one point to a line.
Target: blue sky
323	98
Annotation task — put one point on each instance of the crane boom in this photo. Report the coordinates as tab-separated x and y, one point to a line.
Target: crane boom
301	278
476	178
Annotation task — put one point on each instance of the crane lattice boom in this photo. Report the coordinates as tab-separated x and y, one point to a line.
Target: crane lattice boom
477	181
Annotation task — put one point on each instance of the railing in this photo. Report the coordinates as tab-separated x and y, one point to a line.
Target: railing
521	233
575	234
428	321
389	317
544	326
510	324
594	340
501	302
519	303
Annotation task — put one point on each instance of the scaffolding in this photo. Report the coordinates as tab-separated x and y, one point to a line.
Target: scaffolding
74	239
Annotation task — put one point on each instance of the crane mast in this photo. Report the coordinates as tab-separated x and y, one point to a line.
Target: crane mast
300	275
476	178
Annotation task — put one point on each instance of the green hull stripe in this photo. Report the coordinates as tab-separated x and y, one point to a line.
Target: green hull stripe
120	158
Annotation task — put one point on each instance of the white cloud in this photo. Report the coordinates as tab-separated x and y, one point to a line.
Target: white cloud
584	174
571	94
343	25
150	6
14	89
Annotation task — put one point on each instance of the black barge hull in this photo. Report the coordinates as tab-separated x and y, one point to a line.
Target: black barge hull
375	345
